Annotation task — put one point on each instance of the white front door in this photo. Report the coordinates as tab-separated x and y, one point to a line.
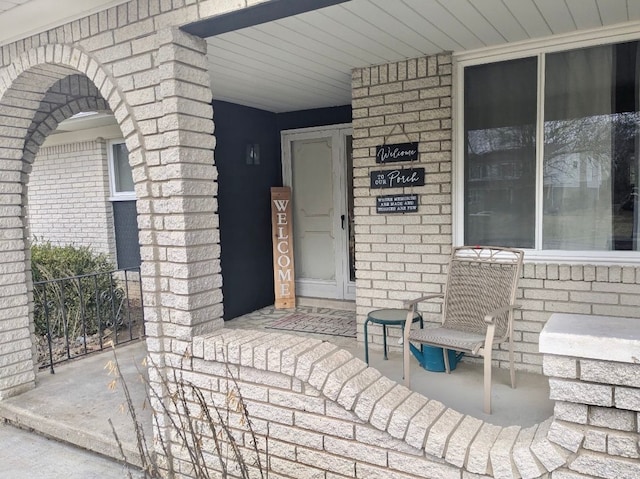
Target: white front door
317	164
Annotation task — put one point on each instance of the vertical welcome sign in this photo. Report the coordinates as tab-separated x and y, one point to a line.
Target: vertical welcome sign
283	272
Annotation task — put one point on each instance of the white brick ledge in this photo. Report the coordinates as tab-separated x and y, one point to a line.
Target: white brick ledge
462	441
606	338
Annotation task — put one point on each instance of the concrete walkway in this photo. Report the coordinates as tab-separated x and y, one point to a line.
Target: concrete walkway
25	455
75	404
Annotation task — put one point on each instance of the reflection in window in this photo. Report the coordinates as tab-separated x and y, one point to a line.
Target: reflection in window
500	116
589	163
590	154
123	179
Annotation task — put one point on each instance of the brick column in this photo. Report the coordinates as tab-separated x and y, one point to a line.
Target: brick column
593	364
17	349
180	205
178	214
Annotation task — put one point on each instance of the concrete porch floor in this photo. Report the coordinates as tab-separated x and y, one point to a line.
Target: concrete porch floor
75	404
526	405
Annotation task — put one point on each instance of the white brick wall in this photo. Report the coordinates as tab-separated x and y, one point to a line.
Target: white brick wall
319	412
69	197
402	256
597	412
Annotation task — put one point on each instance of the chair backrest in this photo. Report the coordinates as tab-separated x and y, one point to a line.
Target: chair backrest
480	279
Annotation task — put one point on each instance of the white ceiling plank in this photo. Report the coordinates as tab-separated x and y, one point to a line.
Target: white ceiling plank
383	24
234	80
347	34
242	82
273	103
501	18
585	13
364	57
441	19
613	12
312	62
286	34
243	94
241	97
417	16
330	41
273	79
263	55
557	15
303	48
267	74
529	18
443	26
633	9
474	21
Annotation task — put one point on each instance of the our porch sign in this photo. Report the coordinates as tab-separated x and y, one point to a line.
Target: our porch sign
283	272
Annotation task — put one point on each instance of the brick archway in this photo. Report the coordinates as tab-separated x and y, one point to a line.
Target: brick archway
171	154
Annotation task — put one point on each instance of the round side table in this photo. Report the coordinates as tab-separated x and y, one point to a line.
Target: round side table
386	317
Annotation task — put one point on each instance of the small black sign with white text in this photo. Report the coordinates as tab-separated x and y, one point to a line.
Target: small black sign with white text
397	152
397	204
397	178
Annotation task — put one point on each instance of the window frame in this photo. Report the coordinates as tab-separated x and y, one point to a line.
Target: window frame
116	195
538	49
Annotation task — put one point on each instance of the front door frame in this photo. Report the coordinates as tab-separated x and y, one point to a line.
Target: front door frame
342	287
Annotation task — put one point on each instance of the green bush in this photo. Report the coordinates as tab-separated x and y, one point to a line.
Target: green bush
75	307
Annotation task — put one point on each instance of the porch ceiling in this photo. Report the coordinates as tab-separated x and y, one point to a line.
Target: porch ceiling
305	61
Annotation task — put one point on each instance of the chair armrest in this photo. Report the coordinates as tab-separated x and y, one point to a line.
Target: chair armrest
491	315
412	303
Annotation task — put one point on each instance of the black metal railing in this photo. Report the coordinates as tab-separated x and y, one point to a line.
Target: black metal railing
79	315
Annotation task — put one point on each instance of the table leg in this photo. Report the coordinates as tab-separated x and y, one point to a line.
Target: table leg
384	340
366	341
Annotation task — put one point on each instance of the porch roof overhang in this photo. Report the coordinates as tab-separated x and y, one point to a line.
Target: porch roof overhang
297	59
287	55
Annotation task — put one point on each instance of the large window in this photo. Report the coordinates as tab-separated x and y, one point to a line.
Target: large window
551	150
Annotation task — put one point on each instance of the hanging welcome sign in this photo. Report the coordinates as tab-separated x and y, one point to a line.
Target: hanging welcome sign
397	152
398	178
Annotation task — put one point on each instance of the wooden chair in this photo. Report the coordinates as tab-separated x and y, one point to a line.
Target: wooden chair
477	312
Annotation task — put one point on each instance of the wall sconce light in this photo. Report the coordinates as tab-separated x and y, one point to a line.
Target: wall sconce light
252	156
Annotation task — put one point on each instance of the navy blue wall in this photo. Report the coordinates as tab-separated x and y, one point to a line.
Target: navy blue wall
244	196
244	205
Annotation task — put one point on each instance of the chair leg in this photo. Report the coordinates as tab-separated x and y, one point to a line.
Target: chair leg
406	367
445	355
487	382
511	366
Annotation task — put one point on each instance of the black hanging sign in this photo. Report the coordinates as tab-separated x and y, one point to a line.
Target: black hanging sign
397	178
397	204
397	152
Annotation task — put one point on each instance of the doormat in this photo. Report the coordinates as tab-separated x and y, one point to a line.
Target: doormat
311	323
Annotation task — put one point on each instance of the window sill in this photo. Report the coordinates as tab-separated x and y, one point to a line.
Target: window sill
123	197
601	258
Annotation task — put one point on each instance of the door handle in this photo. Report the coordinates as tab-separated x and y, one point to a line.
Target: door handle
342	221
